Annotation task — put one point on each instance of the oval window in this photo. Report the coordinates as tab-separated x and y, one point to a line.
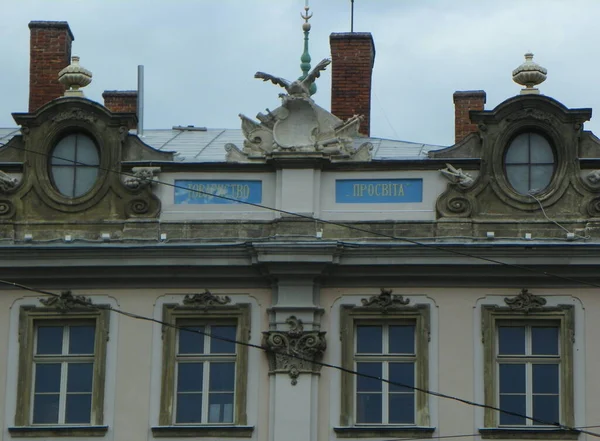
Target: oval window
74	165
529	163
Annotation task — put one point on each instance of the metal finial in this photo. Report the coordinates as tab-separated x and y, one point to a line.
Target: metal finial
305	58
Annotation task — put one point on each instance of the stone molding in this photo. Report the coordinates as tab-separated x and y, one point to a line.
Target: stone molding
294	351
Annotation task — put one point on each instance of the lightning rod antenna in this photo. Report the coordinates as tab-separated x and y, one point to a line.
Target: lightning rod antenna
351	15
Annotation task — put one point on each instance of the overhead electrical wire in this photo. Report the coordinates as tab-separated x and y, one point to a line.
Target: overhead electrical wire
301	358
328	222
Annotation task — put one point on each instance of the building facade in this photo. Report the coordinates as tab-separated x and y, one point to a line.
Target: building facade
296	279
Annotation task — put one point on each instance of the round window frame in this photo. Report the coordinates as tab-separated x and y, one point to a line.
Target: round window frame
498	180
554	163
50	166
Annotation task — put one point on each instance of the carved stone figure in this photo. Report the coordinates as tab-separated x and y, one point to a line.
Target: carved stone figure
457	176
7	182
525	301
142	177
298	128
66	301
385	300
294	351
593	177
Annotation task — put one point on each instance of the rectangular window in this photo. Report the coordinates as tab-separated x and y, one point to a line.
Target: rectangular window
204	370
528	366
386	351
391	345
205	374
61	367
528	360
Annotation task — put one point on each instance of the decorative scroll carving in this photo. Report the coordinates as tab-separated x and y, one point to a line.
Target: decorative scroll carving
66	301
457	176
7	209
593	207
532	113
76	113
7	183
385	300
205	299
142	177
298	128
525	301
295	351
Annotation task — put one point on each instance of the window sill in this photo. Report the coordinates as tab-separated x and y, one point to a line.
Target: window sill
529	433
384	431
56	431
200	431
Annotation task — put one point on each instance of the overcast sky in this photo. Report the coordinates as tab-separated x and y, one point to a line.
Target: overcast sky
200	55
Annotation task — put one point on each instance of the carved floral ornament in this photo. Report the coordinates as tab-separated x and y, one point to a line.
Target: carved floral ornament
294	351
525	301
141	177
205	299
299	127
66	301
385	300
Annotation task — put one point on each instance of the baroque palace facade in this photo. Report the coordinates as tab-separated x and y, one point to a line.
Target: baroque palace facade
204	283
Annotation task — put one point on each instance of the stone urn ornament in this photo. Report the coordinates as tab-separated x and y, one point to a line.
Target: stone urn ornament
529	74
74	77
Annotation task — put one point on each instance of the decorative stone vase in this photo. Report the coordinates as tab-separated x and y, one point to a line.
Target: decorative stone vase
73	77
529	74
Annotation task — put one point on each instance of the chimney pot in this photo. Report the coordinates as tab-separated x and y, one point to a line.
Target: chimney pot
353	57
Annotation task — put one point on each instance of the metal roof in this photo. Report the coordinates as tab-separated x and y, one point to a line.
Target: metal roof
208	145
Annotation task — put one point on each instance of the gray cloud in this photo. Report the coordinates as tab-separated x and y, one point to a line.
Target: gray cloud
200	56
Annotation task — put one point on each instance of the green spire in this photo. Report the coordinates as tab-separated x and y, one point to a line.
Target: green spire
305	58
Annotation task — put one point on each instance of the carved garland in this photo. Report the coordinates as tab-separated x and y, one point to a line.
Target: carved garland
66	301
294	351
205	299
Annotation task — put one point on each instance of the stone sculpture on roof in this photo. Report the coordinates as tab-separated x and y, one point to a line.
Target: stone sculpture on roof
298	128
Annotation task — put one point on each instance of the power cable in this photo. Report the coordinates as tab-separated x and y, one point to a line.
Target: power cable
343	225
301	358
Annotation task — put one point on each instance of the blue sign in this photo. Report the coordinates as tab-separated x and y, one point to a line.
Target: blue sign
378	191
208	192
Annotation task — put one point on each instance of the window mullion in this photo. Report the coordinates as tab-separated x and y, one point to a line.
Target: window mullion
205	391
62	399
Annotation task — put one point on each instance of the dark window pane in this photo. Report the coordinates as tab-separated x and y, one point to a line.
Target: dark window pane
87	153
518	152
64	152
49	340
189	377
64	177
81	339
403	373
402	409
518	177
220	408
544	340
189	408
541	152
540	177
512	403
45	409
545	378
85	177
511	340
368	408
222	377
402	339
78	409
545	408
369	339
192	341
47	377
512	378
364	384
79	378
221	346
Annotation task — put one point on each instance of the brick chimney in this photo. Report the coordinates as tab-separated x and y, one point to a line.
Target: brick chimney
464	102
120	100
352	56
50	52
